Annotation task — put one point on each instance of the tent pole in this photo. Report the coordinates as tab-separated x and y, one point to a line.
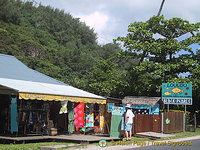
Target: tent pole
185	109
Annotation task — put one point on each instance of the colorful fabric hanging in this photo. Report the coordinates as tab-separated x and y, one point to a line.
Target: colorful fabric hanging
79	115
13	115
101	110
30	118
96	116
89	115
63	109
115	128
116	121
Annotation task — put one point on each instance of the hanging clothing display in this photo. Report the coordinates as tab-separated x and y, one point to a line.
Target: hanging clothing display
101	110
116	121
96	116
33	115
63	108
14	124
89	116
79	115
70	118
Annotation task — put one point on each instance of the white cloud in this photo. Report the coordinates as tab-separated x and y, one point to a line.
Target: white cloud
188	10
110	18
95	20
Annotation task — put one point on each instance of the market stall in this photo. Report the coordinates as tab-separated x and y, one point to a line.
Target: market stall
146	110
34	100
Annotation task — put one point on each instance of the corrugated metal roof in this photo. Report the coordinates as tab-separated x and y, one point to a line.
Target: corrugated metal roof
45	88
12	68
15	75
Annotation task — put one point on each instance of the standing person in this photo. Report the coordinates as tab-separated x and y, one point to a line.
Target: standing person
128	121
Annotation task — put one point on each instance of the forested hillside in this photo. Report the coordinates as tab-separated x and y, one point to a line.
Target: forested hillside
56	44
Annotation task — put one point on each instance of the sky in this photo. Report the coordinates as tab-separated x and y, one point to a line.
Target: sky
110	18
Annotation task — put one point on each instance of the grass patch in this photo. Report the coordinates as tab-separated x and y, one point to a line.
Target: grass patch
182	135
29	146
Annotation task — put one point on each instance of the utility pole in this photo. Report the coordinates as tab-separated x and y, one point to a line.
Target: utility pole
161	6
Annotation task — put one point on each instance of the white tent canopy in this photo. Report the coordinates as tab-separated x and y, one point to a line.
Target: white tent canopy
38	86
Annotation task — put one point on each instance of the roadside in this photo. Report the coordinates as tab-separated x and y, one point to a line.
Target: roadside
119	145
136	142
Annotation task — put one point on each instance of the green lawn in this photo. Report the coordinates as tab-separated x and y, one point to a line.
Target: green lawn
183	134
29	146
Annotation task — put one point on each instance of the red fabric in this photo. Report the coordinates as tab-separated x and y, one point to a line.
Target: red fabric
79	115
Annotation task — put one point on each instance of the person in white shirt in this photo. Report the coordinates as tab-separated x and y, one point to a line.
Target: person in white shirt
128	121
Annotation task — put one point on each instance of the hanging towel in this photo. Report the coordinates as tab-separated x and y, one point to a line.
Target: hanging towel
79	115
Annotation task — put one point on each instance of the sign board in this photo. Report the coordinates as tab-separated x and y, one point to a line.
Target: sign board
110	106
177	93
117	111
179	101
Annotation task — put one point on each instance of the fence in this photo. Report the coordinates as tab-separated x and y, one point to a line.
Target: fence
173	122
168	122
147	123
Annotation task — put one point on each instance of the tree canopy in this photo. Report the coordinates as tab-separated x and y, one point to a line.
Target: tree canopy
163	48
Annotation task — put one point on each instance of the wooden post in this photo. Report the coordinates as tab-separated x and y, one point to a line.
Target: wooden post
184	122
153	122
195	122
185	109
134	125
167	107
162	125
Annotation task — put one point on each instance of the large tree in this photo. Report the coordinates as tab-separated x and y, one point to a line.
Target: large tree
164	52
106	78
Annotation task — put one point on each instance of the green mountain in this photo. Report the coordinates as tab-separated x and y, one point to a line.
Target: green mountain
50	41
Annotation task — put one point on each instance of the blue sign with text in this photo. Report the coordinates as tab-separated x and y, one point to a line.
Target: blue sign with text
177	93
110	106
117	111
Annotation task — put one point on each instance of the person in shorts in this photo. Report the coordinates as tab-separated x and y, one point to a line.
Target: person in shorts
128	122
